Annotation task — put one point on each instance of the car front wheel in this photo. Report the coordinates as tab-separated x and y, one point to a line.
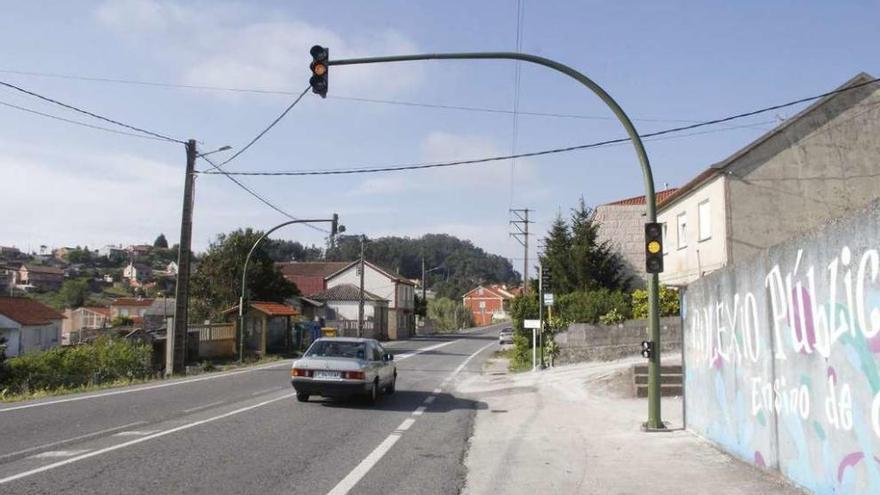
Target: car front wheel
374	394
302	397
392	386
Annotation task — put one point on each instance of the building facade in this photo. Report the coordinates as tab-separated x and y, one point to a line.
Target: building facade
816	166
488	304
398	291
28	325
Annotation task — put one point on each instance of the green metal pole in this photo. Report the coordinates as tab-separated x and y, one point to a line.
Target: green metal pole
247	260
654	420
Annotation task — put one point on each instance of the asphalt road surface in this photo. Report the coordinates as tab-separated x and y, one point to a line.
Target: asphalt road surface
244	432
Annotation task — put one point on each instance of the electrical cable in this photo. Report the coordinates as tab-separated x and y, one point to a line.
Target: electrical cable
90	114
77	122
260	198
395	168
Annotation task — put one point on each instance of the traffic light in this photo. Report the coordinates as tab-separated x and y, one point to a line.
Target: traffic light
654	247
320	70
335	228
647	349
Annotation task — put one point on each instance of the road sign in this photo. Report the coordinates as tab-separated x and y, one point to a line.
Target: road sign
548	299
546	278
532	323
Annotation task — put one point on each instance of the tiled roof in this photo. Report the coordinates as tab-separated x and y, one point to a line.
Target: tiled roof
98	309
640	200
489	291
132	301
273	308
28	311
345	292
311	268
44	269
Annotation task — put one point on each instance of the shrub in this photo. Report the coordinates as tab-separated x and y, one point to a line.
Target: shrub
588	307
612	317
524	308
668	302
105	360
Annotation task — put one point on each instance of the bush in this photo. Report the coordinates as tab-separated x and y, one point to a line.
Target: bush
524	308
589	307
612	317
105	360
668	302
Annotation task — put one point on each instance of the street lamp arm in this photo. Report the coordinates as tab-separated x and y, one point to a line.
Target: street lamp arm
583	79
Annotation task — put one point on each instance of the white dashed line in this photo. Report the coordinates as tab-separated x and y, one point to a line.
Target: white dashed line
58	453
429	399
199	408
186	426
401	357
69	440
136	433
347	483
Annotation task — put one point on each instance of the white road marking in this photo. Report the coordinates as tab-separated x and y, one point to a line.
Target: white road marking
429	399
136	433
437	390
405	425
69	440
172	383
58	453
265	391
350	480
186	426
425	349
199	408
419	410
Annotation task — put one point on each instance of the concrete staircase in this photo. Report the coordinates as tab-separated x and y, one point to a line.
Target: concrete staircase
670	380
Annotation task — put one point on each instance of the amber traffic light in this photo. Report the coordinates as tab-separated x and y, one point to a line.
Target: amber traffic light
320	71
653	247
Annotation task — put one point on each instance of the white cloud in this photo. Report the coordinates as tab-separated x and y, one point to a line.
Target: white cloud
223	48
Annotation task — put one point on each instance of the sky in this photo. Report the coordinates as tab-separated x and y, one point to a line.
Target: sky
666	63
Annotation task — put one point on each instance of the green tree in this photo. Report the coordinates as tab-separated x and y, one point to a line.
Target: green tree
73	293
79	255
284	250
217	280
161	242
447	315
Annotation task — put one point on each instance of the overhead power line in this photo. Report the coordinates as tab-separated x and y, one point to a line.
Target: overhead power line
418	166
260	198
79	123
335	97
90	114
264	131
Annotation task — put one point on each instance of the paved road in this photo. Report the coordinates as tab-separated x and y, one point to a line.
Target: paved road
244	432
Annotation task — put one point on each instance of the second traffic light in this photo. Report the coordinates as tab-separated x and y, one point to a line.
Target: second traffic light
320	70
654	247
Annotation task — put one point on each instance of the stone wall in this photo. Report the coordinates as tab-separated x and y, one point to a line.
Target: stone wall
587	342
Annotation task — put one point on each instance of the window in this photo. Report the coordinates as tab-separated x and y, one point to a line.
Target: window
123	311
665	239
703	213
682	230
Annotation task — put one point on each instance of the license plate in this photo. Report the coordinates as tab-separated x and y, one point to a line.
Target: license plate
327	375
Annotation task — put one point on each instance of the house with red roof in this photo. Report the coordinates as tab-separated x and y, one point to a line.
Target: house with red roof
84	318
28	325
621	223
488	303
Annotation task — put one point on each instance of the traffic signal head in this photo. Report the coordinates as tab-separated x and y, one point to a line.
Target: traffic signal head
654	247
647	349
320	71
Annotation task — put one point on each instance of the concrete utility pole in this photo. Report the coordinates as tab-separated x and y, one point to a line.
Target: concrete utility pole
521	224
175	337
361	302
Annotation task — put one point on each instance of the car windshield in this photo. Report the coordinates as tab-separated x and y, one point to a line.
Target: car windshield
335	348
507	330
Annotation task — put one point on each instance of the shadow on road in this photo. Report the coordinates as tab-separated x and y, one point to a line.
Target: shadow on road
407	401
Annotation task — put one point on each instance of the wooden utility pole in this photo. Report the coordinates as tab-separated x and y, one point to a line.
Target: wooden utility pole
361	302
175	343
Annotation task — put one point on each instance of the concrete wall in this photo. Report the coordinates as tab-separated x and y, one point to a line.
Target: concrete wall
781	357
687	257
586	342
821	167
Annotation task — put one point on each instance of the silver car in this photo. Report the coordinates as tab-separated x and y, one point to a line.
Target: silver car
343	367
505	336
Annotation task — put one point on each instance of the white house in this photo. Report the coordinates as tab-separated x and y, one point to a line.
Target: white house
398	291
816	166
28	325
341	307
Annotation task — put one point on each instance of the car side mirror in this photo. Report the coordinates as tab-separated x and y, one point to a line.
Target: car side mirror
389	357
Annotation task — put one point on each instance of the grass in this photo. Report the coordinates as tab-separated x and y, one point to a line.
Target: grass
41	394
512	365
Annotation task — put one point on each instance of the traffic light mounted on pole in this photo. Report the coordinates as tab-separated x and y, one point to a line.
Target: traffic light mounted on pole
320	71
654	247
647	349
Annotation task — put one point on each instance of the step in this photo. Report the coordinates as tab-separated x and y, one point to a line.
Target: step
667	390
671	369
664	379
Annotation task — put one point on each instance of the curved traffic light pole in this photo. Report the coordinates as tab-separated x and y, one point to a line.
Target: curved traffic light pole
654	420
247	261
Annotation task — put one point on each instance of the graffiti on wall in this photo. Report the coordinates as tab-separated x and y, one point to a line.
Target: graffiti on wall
782	364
